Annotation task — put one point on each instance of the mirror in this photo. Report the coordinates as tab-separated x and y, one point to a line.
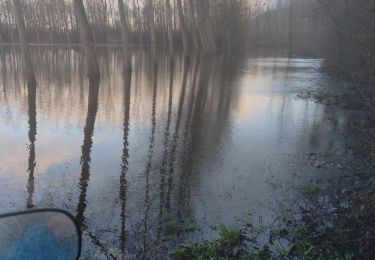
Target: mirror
39	234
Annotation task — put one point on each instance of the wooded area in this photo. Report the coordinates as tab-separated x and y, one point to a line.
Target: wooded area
192	24
341	31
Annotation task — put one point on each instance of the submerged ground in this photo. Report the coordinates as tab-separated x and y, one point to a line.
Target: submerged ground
172	151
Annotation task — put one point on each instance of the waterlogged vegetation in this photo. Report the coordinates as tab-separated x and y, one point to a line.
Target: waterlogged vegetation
229	244
302	235
310	189
173	228
293	244
170	227
330	223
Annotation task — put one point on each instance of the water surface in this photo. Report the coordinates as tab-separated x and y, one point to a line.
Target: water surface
199	141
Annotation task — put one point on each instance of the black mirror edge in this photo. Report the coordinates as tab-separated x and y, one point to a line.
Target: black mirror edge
78	230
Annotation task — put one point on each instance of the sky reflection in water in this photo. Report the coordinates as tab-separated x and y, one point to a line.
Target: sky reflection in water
196	140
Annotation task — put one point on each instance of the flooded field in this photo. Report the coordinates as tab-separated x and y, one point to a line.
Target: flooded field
162	155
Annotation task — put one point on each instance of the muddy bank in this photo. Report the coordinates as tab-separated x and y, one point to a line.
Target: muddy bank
343	214
335	221
339	212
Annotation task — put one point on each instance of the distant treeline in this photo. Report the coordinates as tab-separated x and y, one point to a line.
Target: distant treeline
193	24
352	38
341	31
201	24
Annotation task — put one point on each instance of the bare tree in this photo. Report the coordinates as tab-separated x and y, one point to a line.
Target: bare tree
169	26
291	14
124	35
206	25
184	31
151	24
194	32
28	65
87	38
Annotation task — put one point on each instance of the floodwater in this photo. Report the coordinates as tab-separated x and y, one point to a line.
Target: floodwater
189	142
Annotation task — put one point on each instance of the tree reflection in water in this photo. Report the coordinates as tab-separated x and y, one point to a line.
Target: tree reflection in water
164	138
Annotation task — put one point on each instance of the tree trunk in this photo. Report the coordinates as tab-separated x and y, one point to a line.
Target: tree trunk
125	160
205	32
124	36
194	26
87	38
139	22
31	89
152	26
169	26
291	15
92	109
28	65
1	34
184	32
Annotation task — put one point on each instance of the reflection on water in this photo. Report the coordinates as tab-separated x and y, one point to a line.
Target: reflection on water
127	77
194	141
86	149
31	93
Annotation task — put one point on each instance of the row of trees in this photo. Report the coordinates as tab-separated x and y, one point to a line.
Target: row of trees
305	25
296	24
352	52
193	24
352	36
341	31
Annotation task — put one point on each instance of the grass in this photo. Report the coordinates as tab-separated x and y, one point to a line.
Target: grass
189	226
233	244
291	239
310	189
300	231
210	250
231	236
282	250
301	235
171	228
333	254
222	248
304	251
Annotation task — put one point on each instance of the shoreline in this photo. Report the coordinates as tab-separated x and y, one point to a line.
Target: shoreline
335	216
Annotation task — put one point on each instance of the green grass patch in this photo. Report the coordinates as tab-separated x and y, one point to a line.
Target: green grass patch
171	228
311	189
231	236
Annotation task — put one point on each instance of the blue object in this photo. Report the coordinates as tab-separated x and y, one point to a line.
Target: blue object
39	242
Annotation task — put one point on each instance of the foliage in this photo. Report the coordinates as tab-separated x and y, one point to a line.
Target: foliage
170	227
231	235
311	189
